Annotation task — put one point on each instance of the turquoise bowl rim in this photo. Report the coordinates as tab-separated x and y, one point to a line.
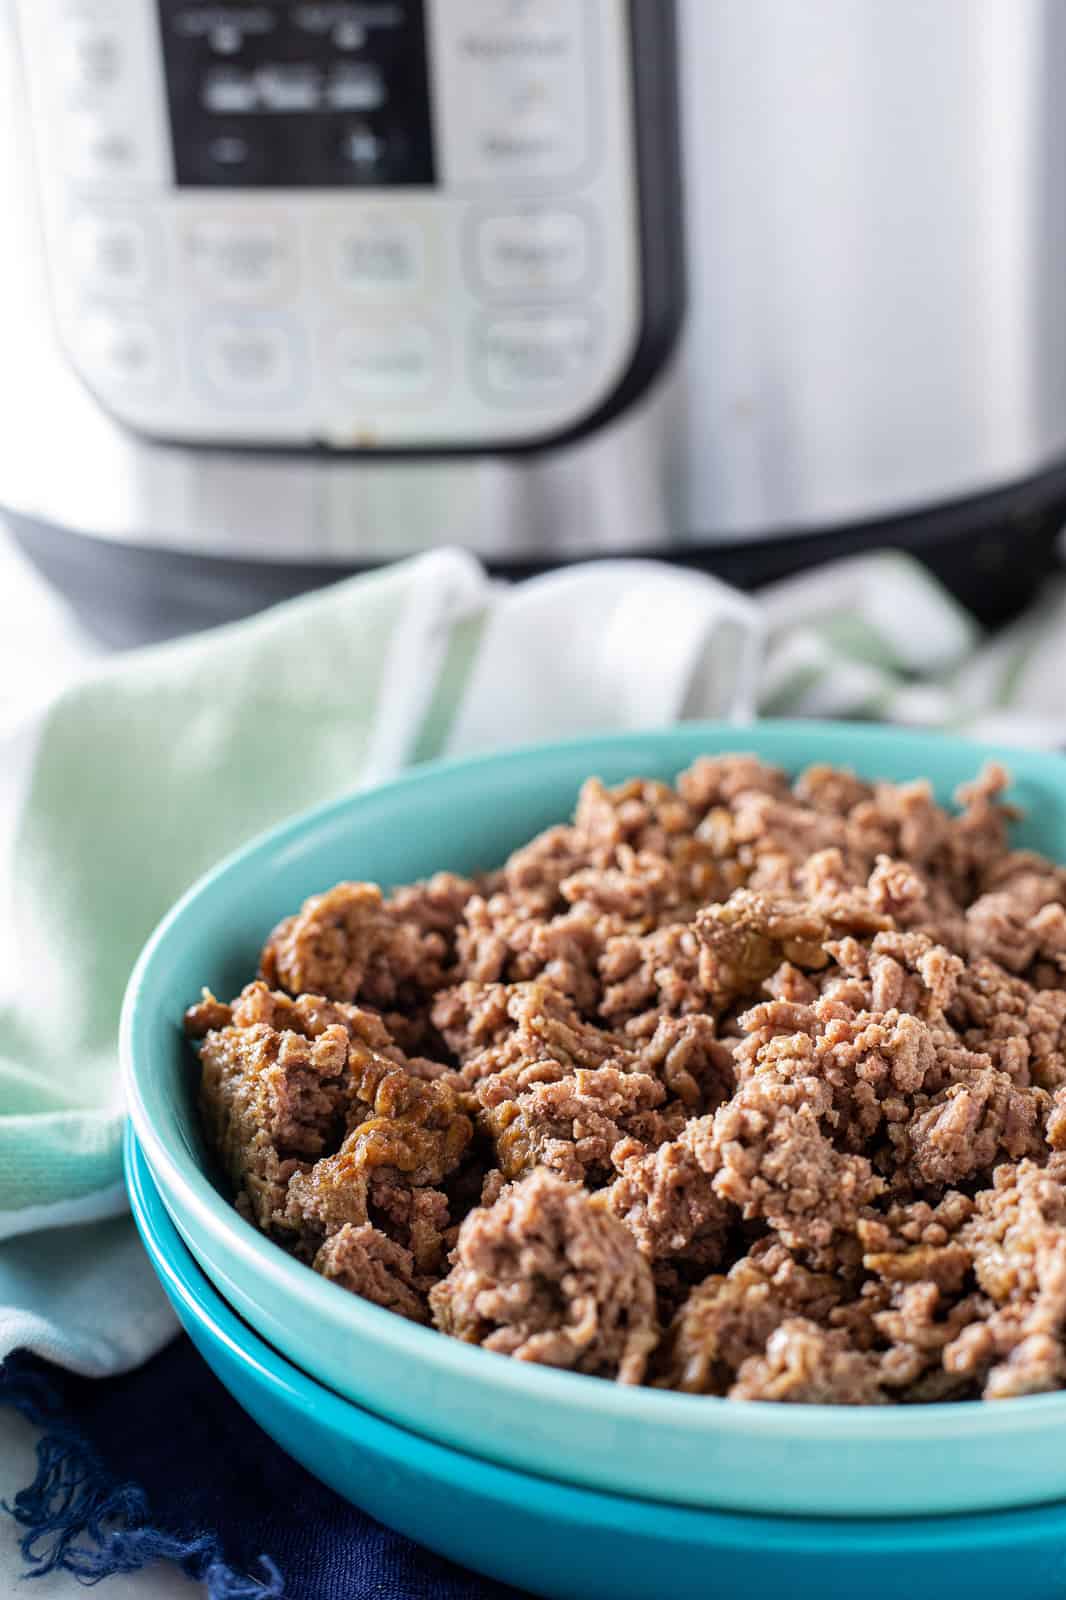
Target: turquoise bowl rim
187	1285
178	1173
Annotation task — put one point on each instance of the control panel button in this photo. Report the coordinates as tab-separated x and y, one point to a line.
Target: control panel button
531	354
238	260
231	155
90	56
378	256
532	252
361	151
122	350
100	148
111	254
397	360
248	360
515	88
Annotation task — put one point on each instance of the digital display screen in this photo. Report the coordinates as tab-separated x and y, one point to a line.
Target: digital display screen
328	93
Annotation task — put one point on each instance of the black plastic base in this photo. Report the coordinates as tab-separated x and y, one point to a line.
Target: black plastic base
992	553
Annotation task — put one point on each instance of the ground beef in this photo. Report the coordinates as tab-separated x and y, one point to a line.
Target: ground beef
546	1274
1017	1235
727	1319
803	1362
658	972
667	1200
351	944
270	1101
573	1124
686	1055
364	1260
775	1162
503	1027
778	1066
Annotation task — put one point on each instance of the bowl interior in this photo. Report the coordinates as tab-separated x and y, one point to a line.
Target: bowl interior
469	815
462	817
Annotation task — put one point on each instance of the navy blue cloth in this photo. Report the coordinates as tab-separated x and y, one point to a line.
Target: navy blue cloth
161	1463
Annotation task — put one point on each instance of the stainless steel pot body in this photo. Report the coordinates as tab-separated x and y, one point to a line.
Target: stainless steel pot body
873	225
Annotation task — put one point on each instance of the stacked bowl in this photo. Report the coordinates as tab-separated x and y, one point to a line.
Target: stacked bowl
565	1485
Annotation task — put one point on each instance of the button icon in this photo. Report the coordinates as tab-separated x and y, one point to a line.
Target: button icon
225	39
240	260
233	154
379	255
533	353
111	253
92	57
397	361
532	252
349	34
248	360
97	148
122	350
361	149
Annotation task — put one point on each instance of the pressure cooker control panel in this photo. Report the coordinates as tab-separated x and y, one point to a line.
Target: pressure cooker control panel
406	224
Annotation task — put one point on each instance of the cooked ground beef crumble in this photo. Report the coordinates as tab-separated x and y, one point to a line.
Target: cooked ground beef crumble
739	1087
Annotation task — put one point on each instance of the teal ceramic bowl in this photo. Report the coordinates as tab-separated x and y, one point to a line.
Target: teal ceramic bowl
671	1447
576	1544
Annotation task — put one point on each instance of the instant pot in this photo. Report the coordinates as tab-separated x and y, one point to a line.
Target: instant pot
289	289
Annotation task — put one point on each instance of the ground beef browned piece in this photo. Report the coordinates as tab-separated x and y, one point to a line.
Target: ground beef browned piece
667	1200
364	1260
1022	1028
806	1364
351	944
630	829
270	1101
782	1063
400	1120
919	1295
747	938
686	1055
728	1318
511	1027
503	939
1017	1236
972	1124
548	1275
1020	922
896	971
656	972
309	1014
336	1194
573	1124
405	1136
774	1162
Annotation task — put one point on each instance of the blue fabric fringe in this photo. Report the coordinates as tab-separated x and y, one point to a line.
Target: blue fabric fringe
79	1519
161	1463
